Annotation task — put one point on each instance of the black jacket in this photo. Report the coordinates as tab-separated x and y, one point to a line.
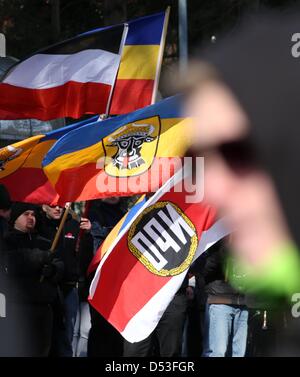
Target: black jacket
210	272
66	247
103	216
3	230
23	263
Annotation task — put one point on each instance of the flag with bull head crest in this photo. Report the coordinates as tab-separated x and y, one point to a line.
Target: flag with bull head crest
129	154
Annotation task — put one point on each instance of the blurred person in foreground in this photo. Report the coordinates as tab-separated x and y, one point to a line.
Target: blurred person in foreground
246	114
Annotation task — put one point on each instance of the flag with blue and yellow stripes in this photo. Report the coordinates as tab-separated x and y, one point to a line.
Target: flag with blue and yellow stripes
129	154
140	63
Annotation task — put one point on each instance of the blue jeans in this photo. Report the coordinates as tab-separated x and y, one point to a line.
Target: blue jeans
225	328
81	330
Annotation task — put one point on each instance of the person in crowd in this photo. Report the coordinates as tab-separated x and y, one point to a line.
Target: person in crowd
83	318
226	314
66	307
193	327
104	339
245	107
32	273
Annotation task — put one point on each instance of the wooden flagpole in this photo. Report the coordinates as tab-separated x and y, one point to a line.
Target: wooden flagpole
122	44
58	233
160	55
60	228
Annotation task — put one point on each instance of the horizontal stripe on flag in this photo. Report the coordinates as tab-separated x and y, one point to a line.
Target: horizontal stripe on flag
48	71
138	55
169	110
58	133
107	39
83	98
146	30
35	187
85	182
138	94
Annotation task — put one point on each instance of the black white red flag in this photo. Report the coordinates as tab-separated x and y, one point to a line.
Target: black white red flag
68	79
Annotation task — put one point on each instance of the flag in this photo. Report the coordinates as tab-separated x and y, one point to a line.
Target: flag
114	234
125	155
148	260
21	167
139	71
68	79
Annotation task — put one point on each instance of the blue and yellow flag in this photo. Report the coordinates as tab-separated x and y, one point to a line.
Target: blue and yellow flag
129	154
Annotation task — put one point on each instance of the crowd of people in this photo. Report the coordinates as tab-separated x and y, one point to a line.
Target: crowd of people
46	291
236	299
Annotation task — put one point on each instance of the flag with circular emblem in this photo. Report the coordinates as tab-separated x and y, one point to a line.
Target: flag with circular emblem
145	265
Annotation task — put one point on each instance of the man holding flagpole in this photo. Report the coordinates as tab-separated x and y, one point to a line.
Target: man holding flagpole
65	310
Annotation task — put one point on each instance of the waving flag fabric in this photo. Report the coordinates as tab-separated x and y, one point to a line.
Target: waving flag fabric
69	79
147	262
140	63
114	234
125	155
21	167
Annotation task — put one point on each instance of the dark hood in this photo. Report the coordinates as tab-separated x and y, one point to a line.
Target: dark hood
258	65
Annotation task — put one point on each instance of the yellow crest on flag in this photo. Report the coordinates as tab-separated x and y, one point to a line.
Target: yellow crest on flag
131	149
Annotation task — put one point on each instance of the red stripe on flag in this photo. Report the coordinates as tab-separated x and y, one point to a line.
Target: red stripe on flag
85	182
124	299
29	185
130	95
69	100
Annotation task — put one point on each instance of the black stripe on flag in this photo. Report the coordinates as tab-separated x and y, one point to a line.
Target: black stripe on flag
108	39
